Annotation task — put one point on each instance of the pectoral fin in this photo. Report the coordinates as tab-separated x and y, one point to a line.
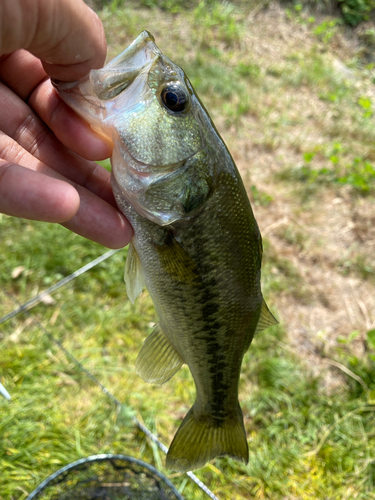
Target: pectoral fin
133	277
158	360
266	319
175	261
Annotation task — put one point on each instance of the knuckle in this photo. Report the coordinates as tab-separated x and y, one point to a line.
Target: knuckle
30	133
10	151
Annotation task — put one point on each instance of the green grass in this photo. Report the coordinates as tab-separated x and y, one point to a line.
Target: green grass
306	440
358	174
303	442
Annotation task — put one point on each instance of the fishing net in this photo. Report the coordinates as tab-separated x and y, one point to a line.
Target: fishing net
107	477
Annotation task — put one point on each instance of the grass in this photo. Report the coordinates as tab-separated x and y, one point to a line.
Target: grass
57	415
359	174
301	132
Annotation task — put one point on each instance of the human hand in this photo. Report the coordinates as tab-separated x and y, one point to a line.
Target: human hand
46	172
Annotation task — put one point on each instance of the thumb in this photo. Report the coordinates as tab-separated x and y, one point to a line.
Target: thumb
65	34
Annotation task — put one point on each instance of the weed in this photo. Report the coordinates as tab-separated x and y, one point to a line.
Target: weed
353	12
293	236
359	174
295	11
281	276
218	20
249	70
361	265
366	105
259	197
356	11
327	29
213	78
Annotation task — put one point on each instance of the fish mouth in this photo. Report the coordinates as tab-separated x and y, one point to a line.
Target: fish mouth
89	95
122	71
119	73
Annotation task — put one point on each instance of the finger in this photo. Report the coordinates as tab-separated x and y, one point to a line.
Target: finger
72	130
100	222
95	219
15	66
65	34
69	128
32	195
19	122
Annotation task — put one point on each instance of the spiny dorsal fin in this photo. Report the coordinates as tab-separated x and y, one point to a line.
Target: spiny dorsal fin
266	319
157	361
133	277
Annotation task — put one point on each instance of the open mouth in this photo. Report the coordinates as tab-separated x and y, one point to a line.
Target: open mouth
118	74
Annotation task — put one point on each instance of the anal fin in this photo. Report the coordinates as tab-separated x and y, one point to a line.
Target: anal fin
158	360
133	276
266	319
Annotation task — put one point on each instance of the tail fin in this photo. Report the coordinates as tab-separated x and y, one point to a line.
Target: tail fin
201	438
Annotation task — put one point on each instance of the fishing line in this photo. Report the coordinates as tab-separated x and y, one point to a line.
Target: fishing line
4	392
33	302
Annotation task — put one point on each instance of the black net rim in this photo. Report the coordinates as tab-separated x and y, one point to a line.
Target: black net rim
101	458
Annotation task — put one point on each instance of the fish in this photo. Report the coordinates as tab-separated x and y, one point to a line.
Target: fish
196	247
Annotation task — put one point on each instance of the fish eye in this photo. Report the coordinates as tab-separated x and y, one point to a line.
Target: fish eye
174	97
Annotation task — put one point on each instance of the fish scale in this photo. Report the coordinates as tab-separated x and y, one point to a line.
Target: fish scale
196	246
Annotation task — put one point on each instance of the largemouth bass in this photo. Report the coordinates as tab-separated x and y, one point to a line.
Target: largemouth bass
196	246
